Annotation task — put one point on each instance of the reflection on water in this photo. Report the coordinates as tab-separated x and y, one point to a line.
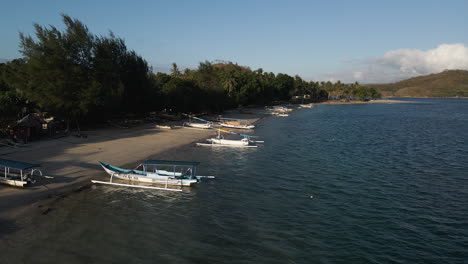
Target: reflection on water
388	182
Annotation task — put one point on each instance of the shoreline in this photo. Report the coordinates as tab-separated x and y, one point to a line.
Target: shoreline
380	101
74	162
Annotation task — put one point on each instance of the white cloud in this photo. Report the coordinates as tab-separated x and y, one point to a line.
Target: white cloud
401	64
358	75
417	62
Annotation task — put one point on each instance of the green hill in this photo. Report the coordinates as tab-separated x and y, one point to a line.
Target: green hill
449	83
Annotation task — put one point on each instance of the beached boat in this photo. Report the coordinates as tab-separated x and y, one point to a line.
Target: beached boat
182	173
163	127
235	123
206	125
17	173
198	125
281	109
306	105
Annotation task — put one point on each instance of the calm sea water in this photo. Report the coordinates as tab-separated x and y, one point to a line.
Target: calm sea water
334	184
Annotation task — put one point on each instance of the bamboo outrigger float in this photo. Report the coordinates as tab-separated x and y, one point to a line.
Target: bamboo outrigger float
17	173
181	173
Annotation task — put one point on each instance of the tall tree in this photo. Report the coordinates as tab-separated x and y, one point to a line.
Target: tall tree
175	72
59	68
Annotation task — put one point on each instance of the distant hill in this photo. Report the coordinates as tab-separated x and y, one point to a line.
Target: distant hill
450	83
229	66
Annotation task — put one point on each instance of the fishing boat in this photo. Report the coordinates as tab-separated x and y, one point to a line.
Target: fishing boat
306	105
235	123
182	173
220	141
17	173
163	127
206	125
281	109
198	125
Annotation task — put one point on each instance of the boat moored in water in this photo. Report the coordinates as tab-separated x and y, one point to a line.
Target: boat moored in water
181	173
219	141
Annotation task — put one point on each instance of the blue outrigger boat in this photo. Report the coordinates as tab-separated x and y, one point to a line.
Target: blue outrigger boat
17	173
175	173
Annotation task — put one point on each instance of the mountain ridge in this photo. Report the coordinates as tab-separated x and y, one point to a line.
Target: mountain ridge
449	83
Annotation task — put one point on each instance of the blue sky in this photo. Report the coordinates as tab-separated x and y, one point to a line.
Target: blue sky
368	41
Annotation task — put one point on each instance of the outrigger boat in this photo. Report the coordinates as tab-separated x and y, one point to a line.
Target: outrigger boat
235	123
17	173
183	174
306	105
206	125
220	141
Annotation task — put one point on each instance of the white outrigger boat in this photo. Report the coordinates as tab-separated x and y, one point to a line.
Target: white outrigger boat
183	174
17	173
306	105
206	125
220	141
198	125
235	123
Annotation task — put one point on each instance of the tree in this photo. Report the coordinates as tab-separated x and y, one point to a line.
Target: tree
283	84
12	105
175	72
59	68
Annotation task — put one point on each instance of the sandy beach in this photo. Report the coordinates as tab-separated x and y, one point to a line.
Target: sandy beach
73	161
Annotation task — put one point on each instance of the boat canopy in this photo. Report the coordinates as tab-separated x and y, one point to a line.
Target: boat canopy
17	164
171	163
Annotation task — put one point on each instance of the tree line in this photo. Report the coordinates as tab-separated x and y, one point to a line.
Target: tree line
76	75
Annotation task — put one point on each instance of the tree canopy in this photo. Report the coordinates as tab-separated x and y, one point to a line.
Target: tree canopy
76	75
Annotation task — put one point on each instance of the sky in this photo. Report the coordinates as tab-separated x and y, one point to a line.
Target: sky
366	41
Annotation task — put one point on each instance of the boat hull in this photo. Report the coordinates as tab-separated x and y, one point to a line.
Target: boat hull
150	177
237	126
197	125
228	142
13	182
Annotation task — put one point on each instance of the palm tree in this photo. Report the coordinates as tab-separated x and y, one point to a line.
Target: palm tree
175	70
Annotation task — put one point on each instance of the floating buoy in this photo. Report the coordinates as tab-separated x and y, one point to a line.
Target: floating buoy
311	197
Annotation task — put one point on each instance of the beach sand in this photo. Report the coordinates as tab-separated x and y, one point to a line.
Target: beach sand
73	161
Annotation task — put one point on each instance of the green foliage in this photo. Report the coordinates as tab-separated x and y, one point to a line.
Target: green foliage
58	68
12	105
363	92
340	90
74	74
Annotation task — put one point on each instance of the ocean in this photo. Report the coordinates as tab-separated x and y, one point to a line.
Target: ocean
371	183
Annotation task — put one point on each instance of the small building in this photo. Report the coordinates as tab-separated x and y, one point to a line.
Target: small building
30	127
